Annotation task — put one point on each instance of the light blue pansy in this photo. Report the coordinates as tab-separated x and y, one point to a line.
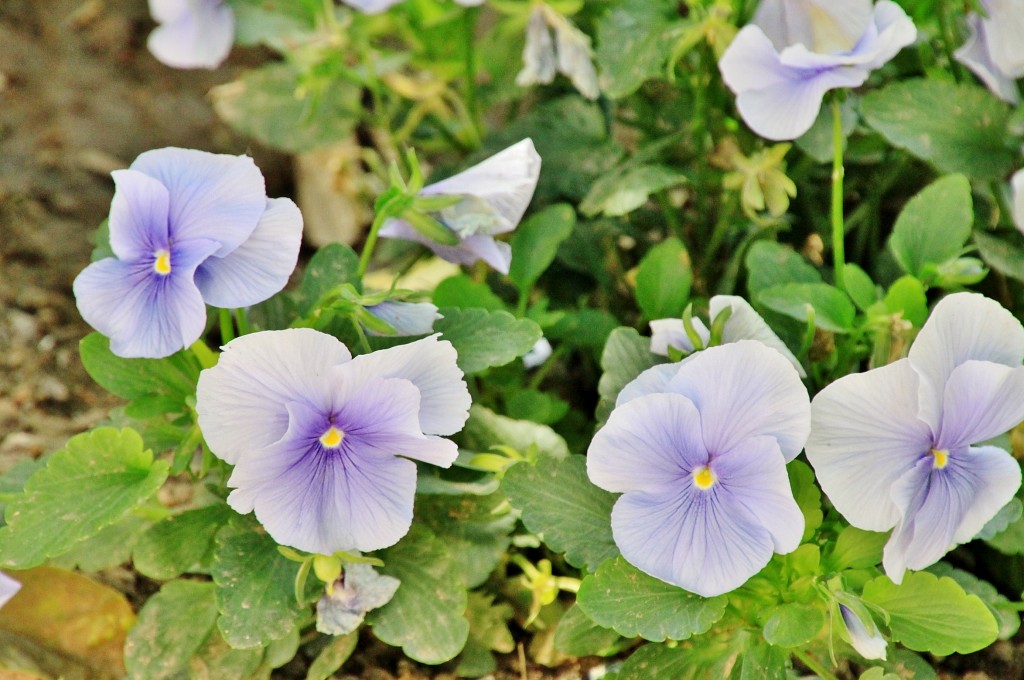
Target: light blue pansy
192	33
995	48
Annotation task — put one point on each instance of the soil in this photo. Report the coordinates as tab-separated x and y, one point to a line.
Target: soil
81	96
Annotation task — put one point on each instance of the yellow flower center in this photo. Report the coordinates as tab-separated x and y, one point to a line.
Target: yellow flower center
704	478
941	458
162	264
332	438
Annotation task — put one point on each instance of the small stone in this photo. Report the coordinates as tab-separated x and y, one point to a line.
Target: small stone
22	442
50	389
24	328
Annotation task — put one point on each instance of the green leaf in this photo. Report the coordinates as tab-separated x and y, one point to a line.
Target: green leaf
958	127
832	308
1007	515
663	280
180	543
95	481
218	660
771	264
761	661
265	104
485	429
425	617
623	190
906	296
626	355
559	503
535	243
473	528
620	596
1005	256
857	549
661	662
462	291
331	266
255	587
806	494
174	376
540	407
793	625
332	656
488	631
111	547
930	614
484	339
578	635
171	628
933	226
859	286
634	38
1006	613
588	328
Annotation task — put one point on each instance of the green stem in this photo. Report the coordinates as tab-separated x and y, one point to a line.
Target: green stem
371	243
948	40
227	329
813	664
838	229
1005	211
242	321
671	215
469	17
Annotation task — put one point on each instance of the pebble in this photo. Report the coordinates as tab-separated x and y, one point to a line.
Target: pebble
22	442
52	389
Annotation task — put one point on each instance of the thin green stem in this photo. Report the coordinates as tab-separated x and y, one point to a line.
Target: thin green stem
371	243
469	17
227	329
242	321
838	228
814	665
948	40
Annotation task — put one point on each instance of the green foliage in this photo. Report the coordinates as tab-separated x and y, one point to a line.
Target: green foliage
634	38
578	635
793	624
663	280
474	529
1005	255
1005	612
770	264
181	543
486	429
806	494
829	307
934	226
626	355
620	596
330	267
95	481
488	632
332	656
857	549
535	243
558	502
462	291
623	190
172	627
485	339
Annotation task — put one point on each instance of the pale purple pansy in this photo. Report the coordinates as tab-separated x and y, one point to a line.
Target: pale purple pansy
192	33
863	635
781	66
495	192
894	448
555	45
8	588
744	323
323	444
406	318
187	228
361	589
995	49
698	450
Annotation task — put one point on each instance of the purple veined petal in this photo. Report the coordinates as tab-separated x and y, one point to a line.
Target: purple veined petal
199	37
821	25
997	476
429	364
962	326
864	638
754	474
670	332
652	442
654	380
539	59
241	401
865	435
469	251
889	32
138	216
982	400
372	6
743	390
323	500
975	55
212	196
1017	184
746	324
407	318
145	314
258	268
8	588
1003	30
701	541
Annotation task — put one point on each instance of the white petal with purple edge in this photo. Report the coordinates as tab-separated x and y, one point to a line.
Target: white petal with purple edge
743	390
996	475
138	216
258	268
745	323
651	442
821	25
215	196
1003	30
200	37
974	54
652	381
982	400
8	588
865	435
241	401
407	318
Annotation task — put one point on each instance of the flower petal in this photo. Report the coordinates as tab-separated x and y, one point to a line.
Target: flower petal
746	324
654	380
1003	30
997	476
372	6
976	55
651	442
258	268
982	400
670	332
8	588
241	401
865	435
820	25
212	196
138	216
407	318
199	37
1017	182
743	390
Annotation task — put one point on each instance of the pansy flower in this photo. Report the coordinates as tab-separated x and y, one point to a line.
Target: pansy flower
995	48
744	323
896	447
344	605
495	194
781	66
406	318
187	228
8	588
192	33
699	454
555	45
863	633
323	444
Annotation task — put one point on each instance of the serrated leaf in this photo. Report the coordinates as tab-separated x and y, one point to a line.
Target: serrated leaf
620	596
476	536
793	624
485	429
216	659
626	355
934	225
425	617
97	479
484	339
930	614
172	627
331	266
180	543
663	280
832	308
559	502
659	662
578	635
173	377
110	547
255	587
1006	612
488	631
535	243
634	39
958	127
